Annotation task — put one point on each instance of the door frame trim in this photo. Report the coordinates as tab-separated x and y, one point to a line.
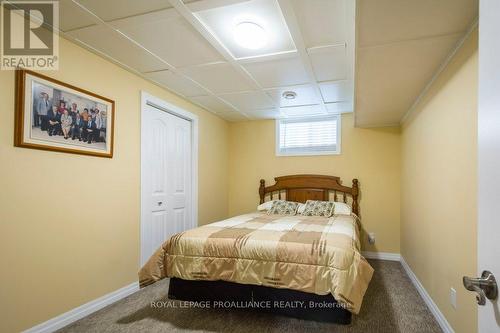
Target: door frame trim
148	99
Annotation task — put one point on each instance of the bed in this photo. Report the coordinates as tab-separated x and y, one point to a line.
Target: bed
308	267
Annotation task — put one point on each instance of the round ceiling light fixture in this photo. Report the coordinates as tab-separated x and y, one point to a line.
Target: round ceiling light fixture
289	95
250	35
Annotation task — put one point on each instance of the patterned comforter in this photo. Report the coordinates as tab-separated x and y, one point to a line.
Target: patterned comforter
311	254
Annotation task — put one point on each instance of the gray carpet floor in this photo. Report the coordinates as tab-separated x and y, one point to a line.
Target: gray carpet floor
391	304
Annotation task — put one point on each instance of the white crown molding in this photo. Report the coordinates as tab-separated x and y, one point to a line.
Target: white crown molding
441	68
84	310
440	318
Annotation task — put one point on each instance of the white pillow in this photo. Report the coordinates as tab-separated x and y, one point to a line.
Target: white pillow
342	208
265	206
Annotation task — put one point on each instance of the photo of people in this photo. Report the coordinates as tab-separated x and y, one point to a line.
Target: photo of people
59	116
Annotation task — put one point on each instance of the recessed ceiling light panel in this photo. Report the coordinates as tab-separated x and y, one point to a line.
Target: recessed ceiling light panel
249	29
250	35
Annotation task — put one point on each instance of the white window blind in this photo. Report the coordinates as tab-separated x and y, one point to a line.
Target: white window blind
308	136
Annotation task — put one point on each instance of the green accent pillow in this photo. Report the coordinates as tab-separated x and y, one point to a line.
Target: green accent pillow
318	208
283	207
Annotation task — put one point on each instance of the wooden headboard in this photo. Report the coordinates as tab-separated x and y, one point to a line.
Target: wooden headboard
301	188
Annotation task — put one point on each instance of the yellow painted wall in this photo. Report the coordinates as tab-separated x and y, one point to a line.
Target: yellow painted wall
438	187
371	155
55	257
54	254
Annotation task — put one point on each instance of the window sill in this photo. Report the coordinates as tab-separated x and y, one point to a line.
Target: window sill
309	153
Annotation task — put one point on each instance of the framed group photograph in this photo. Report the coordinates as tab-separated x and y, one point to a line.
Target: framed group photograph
53	115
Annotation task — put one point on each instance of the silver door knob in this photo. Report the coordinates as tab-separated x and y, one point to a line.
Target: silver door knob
485	287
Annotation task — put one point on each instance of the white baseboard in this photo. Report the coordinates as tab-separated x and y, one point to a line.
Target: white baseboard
440	318
86	309
381	255
99	303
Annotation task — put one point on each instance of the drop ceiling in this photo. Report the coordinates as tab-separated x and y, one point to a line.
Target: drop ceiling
188	48
373	57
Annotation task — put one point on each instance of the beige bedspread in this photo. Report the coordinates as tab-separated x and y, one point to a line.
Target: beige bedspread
311	254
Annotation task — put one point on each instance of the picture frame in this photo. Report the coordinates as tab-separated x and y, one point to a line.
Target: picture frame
57	116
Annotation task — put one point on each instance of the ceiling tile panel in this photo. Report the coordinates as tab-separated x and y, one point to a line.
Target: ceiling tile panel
233	117
180	45
305	95
212	103
249	100
109	10
329	64
337	91
110	42
264	114
219	78
339	107
384	21
278	73
74	16
176	82
303	111
322	22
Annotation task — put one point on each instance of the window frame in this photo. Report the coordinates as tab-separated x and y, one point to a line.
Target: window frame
337	151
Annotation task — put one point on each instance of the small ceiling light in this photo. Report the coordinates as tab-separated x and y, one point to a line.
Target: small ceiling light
250	35
289	95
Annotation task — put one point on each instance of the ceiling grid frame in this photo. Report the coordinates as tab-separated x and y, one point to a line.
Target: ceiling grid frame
170	67
189	9
304	52
340	99
189	16
294	28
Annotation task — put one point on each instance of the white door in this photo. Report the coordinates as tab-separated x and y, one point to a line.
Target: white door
166	178
489	156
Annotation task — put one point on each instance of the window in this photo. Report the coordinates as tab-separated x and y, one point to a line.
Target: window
308	136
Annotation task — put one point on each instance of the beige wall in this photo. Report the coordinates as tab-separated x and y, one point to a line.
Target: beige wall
54	255
438	187
371	155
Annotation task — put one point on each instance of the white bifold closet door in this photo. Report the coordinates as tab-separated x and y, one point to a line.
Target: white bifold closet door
166	178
